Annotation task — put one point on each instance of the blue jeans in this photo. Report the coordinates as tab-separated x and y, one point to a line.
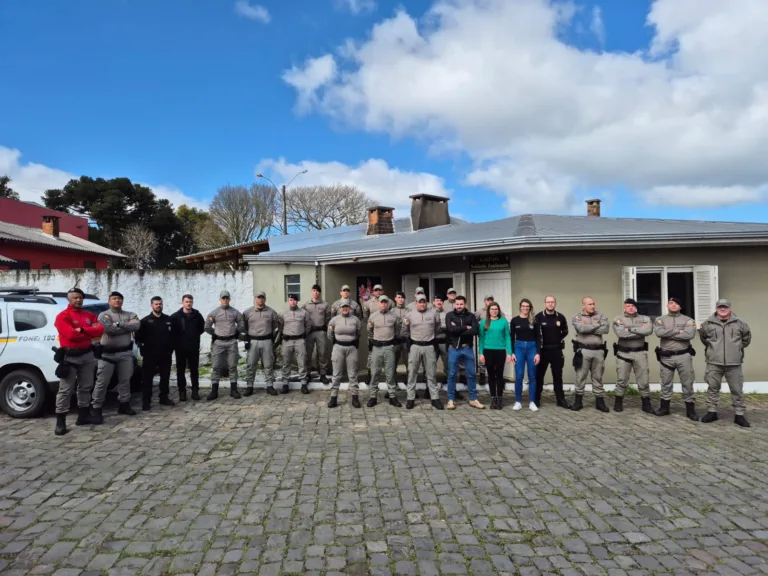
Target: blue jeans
524	353
455	356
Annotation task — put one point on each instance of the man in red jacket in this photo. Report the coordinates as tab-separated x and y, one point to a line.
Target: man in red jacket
77	329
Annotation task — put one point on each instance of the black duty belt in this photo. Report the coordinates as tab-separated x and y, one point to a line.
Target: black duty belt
382	343
401	340
559	346
116	349
319	328
668	353
267	337
225	338
75	352
621	348
423	343
340	343
299	337
590	346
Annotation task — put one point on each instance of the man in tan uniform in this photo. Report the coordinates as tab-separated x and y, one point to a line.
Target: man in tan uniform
450	298
354	307
419	292
442	348
631	353
371	306
401	344
420	328
319	314
344	332
676	353
589	352
384	327
725	336
294	325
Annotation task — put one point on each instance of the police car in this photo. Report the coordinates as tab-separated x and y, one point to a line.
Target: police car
28	379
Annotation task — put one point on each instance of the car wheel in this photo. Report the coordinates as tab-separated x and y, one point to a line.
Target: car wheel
23	394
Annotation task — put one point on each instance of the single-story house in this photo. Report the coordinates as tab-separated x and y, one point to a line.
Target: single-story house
531	256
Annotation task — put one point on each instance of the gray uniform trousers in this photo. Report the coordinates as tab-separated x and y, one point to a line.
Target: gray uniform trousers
683	363
261	351
108	363
294	350
401	355
383	364
735	378
80	372
638	362
318	339
594	364
442	349
224	353
422	356
341	357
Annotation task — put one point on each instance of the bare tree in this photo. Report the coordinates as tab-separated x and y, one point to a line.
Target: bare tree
243	214
320	207
139	244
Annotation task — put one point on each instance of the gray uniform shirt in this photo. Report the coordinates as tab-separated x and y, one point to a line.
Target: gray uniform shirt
441	332
384	326
448	306
295	322
261	321
319	313
632	330
590	329
675	330
345	328
354	308
224	322
412	306
370	307
119	325
421	326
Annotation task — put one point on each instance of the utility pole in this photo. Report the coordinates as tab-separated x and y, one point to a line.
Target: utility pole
283	194
285	214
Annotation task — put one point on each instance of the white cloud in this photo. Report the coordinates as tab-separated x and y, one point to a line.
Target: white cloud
495	80
252	11
358	6
705	196
31	180
596	24
389	186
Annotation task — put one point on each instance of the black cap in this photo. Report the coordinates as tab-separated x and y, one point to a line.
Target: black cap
631	301
316	287
676	300
116	294
400	293
76	291
294	296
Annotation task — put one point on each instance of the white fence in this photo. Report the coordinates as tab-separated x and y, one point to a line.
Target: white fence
139	287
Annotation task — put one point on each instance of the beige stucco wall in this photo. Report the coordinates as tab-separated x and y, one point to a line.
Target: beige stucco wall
271	279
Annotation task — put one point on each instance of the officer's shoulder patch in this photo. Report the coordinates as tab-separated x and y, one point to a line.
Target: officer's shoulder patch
659	321
618	321
690	322
577	318
406	321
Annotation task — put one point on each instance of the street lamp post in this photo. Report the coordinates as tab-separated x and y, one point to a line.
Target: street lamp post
282	192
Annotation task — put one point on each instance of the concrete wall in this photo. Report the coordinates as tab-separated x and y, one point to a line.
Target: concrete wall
271	279
138	288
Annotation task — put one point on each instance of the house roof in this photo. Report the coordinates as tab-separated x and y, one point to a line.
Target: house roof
527	231
226	253
6	259
15	233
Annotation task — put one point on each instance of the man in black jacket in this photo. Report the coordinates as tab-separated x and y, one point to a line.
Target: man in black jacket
188	325
461	328
155	339
553	328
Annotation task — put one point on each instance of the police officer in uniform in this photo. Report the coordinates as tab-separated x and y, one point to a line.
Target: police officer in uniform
725	336
448	303
384	327
442	348
401	344
155	339
263	327
553	329
116	354
225	325
344	332
419	292
294	325
371	306
675	352
589	352
354	307
631	353
420	327
319	312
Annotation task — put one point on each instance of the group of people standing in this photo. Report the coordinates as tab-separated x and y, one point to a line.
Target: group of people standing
416	334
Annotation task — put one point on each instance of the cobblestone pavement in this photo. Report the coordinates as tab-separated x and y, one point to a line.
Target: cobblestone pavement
283	485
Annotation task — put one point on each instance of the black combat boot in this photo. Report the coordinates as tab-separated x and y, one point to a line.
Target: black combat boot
393	401
333	402
561	401
125	408
709	417
285	389
647	408
355	401
195	393
663	408
182	394
248	391
165	401
493	403
740	421
95	417
690	411
146	406
409	404
500	403
233	391
618	404
214	392
372	402
61	425
323	379
271	391
577	402
600	404
86	416
438	404
304	389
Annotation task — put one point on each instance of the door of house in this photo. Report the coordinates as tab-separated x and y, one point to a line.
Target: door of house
499	285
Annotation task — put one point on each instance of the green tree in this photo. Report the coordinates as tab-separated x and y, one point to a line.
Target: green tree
5	190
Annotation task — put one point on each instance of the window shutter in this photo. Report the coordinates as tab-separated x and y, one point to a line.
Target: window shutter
410	283
629	282
458	284
706	292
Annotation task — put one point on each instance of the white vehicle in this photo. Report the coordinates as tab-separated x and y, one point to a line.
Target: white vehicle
28	379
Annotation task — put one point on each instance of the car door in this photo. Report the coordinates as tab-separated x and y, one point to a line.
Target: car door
32	335
4	333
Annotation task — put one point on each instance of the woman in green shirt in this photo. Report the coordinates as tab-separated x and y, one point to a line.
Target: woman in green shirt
495	351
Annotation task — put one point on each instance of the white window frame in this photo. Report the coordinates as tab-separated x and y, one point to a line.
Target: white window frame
411	281
705	286
286	284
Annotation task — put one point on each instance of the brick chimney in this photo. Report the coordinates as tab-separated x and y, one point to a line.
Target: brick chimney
428	211
593	207
380	220
51	225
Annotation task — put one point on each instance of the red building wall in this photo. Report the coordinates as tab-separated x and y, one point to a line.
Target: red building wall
31	216
56	259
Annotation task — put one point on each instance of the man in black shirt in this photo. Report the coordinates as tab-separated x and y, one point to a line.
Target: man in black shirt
461	329
553	328
155	339
188	325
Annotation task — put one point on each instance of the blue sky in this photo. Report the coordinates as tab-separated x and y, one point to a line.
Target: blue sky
187	97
